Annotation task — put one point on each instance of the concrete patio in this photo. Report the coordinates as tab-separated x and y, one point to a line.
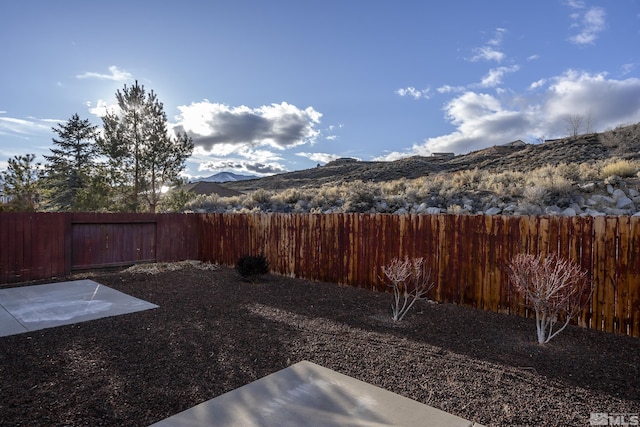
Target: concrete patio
30	308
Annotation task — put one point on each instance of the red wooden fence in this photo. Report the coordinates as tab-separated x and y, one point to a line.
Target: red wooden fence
466	254
37	246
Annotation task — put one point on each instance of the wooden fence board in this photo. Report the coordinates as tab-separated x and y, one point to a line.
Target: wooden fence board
633	302
622	312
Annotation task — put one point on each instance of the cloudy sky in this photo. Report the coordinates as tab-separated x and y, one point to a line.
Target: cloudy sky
265	87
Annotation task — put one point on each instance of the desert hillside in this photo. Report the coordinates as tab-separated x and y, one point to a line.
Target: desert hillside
620	143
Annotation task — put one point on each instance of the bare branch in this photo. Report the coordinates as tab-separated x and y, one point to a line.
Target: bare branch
410	282
555	288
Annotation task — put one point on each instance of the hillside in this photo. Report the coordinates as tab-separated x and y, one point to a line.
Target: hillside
621	143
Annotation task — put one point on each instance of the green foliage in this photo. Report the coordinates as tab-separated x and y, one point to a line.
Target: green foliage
176	200
142	156
20	183
70	173
252	266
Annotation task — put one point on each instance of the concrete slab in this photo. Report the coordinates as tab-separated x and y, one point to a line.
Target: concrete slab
31	308
306	394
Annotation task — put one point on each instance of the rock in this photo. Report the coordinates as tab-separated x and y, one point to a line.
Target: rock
609	188
422	208
588	187
568	212
592	212
433	210
618	193
633	192
615	211
577	207
493	211
552	210
401	211
600	199
624	203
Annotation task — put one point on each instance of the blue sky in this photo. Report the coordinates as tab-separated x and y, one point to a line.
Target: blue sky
266	87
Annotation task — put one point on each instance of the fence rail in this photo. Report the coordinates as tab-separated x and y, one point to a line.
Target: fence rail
466	254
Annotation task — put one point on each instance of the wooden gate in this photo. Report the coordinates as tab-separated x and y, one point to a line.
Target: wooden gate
108	244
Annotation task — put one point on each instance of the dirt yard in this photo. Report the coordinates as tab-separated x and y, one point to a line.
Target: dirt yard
215	332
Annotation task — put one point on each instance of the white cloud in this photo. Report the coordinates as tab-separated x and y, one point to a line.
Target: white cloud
483	120
24	127
539	83
490	51
590	23
449	89
576	4
100	108
319	157
494	76
214	126
487	53
627	68
241	166
115	74
413	92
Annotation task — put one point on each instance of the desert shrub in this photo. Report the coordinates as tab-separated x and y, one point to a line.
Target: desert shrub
467	179
409	281
261	196
555	288
535	195
252	266
548	177
588	171
621	168
393	188
361	197
392	203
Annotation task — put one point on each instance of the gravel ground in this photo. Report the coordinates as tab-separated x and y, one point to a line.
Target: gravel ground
215	332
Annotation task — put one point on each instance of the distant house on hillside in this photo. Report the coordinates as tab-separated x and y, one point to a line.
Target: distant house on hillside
208	188
515	144
510	146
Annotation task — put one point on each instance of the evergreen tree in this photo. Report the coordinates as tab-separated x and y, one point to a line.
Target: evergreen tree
20	183
70	173
141	155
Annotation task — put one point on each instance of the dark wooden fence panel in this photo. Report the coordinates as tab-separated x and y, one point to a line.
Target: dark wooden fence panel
112	244
36	246
32	246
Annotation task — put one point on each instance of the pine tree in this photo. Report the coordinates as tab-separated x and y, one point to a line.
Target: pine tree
70	173
142	156
20	183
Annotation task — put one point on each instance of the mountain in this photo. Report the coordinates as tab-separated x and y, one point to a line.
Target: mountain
619	143
226	177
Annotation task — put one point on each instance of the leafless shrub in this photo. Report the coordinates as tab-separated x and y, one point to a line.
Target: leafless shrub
557	290
410	282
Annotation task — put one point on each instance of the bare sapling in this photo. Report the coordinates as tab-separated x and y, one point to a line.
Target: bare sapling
557	289
409	281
